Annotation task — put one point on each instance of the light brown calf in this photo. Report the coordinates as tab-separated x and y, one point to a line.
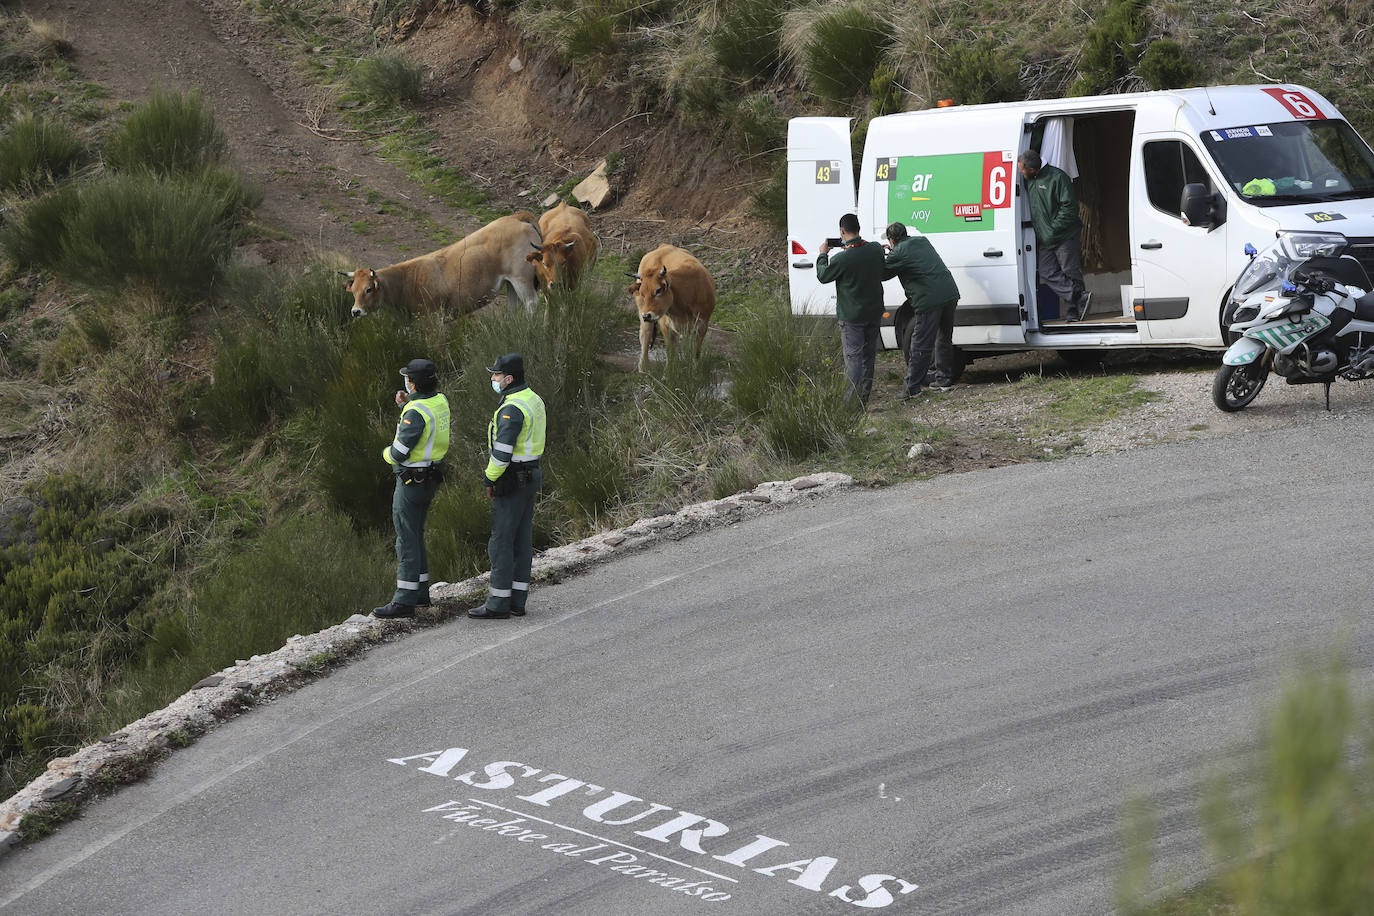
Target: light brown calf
671	289
458	278
569	244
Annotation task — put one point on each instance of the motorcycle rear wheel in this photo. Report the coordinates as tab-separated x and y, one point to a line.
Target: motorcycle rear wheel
1236	386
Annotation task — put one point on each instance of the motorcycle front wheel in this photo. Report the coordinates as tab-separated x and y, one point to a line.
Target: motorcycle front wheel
1236	386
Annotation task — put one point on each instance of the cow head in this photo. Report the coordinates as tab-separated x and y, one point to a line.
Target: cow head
547	258
653	294
362	283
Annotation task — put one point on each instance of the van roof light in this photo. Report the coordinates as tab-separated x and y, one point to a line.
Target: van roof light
945	103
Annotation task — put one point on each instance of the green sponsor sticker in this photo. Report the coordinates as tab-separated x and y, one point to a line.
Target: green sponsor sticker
949	193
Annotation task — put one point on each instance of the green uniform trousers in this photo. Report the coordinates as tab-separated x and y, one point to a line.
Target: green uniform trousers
409	507
511	547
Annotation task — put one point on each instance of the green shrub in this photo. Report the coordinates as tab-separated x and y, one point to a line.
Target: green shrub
35	151
773	350
590	479
1112	46
1165	65
977	72
588	35
769	202
787	375
814	416
172	236
168	134
696	86
33	233
746	42
303	573
65	603
388	77
838	48
759	127
1301	837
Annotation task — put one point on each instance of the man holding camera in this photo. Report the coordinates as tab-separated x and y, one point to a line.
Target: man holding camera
857	272
512	478
416	456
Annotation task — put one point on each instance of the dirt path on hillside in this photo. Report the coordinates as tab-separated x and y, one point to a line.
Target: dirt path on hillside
132	46
514	121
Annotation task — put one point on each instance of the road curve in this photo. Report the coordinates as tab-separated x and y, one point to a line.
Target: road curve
931	698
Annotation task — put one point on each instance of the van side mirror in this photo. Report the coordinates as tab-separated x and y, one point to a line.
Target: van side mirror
1199	207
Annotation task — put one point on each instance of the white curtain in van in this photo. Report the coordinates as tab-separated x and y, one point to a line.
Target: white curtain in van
1056	147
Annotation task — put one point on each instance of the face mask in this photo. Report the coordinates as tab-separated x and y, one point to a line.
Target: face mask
496	386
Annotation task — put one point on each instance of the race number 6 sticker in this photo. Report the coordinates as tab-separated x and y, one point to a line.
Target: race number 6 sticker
997	169
1298	105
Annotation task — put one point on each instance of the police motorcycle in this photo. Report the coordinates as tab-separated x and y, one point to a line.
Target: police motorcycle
1303	309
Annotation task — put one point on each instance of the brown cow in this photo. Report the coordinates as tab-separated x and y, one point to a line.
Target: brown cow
568	241
674	290
459	277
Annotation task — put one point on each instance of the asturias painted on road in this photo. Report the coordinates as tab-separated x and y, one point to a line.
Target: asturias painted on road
504	817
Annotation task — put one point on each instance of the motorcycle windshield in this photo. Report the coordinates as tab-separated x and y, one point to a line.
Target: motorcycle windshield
1268	269
1293	162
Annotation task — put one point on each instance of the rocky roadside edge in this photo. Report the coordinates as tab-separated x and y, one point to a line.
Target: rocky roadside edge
128	754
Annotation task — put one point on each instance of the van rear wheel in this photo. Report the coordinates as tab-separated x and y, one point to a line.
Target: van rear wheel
1236	386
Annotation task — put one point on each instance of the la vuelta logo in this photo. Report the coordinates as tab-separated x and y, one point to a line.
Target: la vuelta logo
541	817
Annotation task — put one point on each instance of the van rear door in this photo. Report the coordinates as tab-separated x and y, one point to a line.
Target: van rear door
951	174
820	189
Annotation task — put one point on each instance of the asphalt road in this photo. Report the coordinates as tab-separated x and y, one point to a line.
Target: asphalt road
937	694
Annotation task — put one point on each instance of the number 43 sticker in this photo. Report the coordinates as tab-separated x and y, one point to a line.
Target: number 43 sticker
827	171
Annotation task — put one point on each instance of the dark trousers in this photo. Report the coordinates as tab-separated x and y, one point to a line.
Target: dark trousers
409	508
1061	269
511	547
860	341
932	333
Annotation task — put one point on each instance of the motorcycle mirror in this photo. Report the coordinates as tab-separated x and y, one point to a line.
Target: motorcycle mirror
1251	250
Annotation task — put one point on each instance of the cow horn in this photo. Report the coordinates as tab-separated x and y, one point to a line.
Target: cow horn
664	271
344	273
628	274
536	247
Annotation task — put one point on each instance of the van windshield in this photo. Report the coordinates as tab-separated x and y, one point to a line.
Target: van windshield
1293	161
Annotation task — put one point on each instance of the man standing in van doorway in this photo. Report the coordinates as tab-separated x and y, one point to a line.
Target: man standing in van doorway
857	272
1059	250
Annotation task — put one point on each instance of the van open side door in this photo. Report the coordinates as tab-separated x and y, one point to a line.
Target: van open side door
820	189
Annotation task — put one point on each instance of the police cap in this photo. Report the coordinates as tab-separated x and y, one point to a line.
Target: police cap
512	364
422	373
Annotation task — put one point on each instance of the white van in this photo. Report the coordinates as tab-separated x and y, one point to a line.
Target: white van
1138	161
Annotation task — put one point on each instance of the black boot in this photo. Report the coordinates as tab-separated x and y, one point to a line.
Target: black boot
393	610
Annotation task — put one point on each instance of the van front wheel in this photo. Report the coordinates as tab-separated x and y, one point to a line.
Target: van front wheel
1236	386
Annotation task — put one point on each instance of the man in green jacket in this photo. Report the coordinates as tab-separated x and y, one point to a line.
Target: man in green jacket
515	438
857	272
933	294
1058	250
416	456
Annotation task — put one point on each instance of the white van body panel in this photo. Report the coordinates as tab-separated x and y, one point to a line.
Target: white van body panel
950	173
820	189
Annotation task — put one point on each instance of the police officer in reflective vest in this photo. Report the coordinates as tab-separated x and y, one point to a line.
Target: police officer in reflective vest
516	439
417	459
